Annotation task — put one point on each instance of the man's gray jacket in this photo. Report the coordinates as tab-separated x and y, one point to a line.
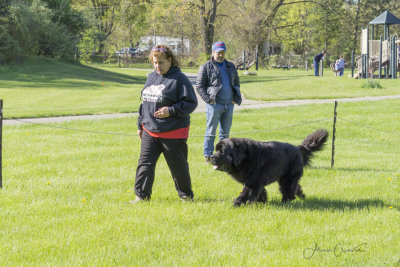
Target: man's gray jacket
209	81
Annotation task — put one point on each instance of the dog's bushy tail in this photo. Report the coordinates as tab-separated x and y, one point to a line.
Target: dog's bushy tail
313	143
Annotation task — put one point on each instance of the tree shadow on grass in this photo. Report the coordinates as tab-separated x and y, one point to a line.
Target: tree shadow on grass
61	75
264	80
113	76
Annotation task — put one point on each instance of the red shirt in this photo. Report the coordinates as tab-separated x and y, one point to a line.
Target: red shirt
182	133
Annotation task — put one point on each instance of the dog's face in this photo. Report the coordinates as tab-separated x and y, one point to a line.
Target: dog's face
227	157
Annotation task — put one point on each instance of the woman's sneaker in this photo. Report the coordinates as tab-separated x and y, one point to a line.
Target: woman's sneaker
186	199
137	200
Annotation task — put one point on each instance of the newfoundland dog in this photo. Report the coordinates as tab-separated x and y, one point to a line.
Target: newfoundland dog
258	164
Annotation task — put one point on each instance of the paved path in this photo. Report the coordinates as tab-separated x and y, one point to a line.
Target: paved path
246	104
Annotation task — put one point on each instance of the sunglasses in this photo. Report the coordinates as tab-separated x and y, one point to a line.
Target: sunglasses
159	49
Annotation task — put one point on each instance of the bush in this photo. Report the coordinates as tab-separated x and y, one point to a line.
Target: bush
87	44
9	47
372	84
189	62
34	29
203	57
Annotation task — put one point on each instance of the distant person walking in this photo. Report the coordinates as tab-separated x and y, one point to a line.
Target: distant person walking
337	67
163	124
398	56
218	85
316	61
342	63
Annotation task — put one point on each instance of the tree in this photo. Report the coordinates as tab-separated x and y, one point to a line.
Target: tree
293	27
8	45
252	21
189	14
115	21
64	14
106	13
310	26
208	13
4	6
36	31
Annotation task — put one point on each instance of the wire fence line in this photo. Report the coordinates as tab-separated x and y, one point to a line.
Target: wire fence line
369	127
71	129
66	108
191	136
201	136
274	129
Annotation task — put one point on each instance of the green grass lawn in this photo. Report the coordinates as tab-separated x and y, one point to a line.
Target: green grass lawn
43	87
300	84
64	194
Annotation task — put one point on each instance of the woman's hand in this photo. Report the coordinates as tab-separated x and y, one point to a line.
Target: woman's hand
139	132
162	113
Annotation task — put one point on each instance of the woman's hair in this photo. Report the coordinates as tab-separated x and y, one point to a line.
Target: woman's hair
166	51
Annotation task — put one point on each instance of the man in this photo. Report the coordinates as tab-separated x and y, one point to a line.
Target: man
317	59
218	85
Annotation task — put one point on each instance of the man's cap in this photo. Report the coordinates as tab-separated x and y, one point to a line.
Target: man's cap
219	46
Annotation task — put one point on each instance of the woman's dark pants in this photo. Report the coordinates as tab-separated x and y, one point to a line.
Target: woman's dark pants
175	152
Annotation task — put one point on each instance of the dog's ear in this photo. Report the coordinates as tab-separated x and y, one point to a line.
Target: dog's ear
218	146
237	154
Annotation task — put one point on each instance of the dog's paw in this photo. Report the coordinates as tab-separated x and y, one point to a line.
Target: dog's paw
262	197
249	202
237	202
288	199
302	196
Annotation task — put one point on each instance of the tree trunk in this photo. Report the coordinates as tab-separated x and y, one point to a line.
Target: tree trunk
275	9
207	25
326	32
356	25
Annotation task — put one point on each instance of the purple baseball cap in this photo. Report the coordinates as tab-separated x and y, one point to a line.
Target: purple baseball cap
219	46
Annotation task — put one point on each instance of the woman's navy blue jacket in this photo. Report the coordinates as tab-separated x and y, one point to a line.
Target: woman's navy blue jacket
173	90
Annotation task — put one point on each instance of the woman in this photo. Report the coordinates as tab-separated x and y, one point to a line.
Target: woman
163	124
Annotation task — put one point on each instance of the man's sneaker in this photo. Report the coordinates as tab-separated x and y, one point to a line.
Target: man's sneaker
137	200
186	199
207	159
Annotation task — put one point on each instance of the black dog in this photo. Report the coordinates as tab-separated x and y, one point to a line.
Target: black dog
257	164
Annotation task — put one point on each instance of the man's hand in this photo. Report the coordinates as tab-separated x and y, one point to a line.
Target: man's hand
162	113
140	132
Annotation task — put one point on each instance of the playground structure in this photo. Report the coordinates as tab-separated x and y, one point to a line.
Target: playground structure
378	55
247	60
